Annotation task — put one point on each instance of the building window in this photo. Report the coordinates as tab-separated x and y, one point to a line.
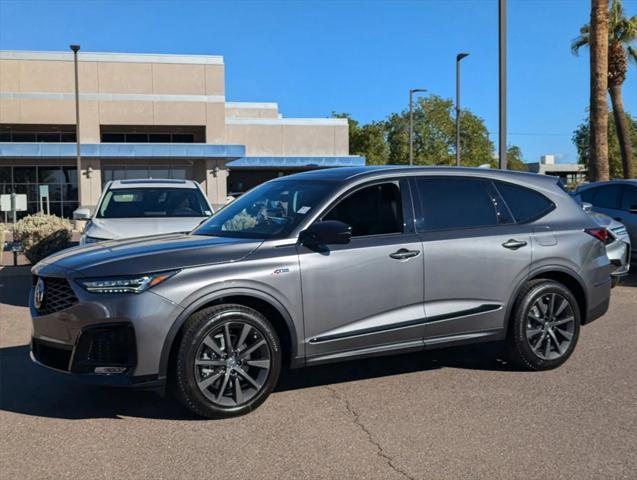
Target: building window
61	182
152	134
133	172
37	133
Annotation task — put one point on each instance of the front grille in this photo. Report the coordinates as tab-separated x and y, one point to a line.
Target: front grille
107	345
51	356
58	295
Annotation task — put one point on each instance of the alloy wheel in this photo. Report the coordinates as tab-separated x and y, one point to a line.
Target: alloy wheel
232	363
550	326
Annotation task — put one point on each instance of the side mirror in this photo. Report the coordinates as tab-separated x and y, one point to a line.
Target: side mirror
82	214
587	207
328	232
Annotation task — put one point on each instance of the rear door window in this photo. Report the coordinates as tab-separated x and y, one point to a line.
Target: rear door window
629	198
452	203
525	204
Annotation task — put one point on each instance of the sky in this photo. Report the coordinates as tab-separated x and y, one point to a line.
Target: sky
360	57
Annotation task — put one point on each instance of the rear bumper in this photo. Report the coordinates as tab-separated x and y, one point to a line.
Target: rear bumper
598	301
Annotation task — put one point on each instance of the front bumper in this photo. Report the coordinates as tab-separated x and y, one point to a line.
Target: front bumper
114	339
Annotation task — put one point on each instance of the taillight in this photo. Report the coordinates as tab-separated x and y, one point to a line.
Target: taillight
600	234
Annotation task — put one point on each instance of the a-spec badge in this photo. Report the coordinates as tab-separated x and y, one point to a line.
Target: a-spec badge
38	293
279	271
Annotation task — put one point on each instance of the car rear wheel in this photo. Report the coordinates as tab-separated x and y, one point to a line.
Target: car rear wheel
545	326
228	361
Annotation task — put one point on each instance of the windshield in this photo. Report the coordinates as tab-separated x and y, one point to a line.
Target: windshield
153	202
271	210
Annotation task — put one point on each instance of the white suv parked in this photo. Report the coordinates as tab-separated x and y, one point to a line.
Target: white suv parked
139	208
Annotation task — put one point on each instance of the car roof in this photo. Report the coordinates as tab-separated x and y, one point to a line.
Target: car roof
153	183
345	174
619	181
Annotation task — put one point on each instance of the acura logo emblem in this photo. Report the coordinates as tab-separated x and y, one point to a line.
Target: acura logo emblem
38	294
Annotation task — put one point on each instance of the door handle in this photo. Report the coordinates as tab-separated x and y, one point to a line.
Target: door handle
513	244
404	254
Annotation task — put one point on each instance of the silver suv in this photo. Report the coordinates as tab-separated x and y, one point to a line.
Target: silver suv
326	266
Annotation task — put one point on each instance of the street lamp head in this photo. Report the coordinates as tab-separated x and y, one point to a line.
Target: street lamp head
75	48
460	56
415	90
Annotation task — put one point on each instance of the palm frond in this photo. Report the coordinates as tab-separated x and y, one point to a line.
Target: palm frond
632	53
578	43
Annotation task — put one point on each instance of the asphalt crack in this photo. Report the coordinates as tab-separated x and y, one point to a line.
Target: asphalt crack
380	451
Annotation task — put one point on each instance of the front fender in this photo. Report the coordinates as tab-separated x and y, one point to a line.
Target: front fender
198	301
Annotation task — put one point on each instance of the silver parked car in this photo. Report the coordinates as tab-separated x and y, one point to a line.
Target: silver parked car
138	208
618	246
326	266
618	200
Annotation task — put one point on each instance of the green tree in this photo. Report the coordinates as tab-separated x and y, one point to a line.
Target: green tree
581	139
367	140
434	135
622	33
387	142
514	159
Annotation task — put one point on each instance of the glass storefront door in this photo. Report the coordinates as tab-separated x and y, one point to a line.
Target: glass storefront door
61	182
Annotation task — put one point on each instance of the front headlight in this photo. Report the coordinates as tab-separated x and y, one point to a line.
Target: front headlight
136	284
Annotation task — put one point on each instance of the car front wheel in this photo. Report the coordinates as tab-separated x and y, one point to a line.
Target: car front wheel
228	361
545	326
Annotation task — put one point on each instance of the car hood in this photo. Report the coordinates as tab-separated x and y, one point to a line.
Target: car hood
143	255
116	228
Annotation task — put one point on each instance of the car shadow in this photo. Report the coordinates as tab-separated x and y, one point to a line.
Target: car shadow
631	279
15	283
32	390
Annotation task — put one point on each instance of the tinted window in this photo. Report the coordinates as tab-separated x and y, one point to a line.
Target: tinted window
588	195
608	197
153	202
525	204
455	203
375	210
629	199
273	209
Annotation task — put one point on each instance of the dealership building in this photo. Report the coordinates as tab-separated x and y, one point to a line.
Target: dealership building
143	116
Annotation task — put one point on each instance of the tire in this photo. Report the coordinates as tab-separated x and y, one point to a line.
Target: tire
614	281
218	382
542	335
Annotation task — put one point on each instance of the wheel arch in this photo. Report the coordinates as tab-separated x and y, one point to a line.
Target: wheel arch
274	311
565	276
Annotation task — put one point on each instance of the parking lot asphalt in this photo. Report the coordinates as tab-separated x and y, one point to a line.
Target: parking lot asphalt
461	413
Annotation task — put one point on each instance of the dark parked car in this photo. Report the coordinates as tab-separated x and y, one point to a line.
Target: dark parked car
327	266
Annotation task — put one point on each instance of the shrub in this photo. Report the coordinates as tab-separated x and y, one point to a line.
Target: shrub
42	235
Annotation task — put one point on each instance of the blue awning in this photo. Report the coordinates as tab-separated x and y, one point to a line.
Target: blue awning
122	150
297	162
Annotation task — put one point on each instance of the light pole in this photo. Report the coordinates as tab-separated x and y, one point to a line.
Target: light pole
459	57
75	49
502	120
411	122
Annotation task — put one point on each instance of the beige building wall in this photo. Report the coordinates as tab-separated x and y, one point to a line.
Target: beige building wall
155	90
251	110
289	136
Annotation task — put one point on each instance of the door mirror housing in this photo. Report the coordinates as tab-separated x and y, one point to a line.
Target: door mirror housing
587	207
328	232
82	214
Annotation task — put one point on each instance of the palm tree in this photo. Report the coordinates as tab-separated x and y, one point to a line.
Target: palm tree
622	33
